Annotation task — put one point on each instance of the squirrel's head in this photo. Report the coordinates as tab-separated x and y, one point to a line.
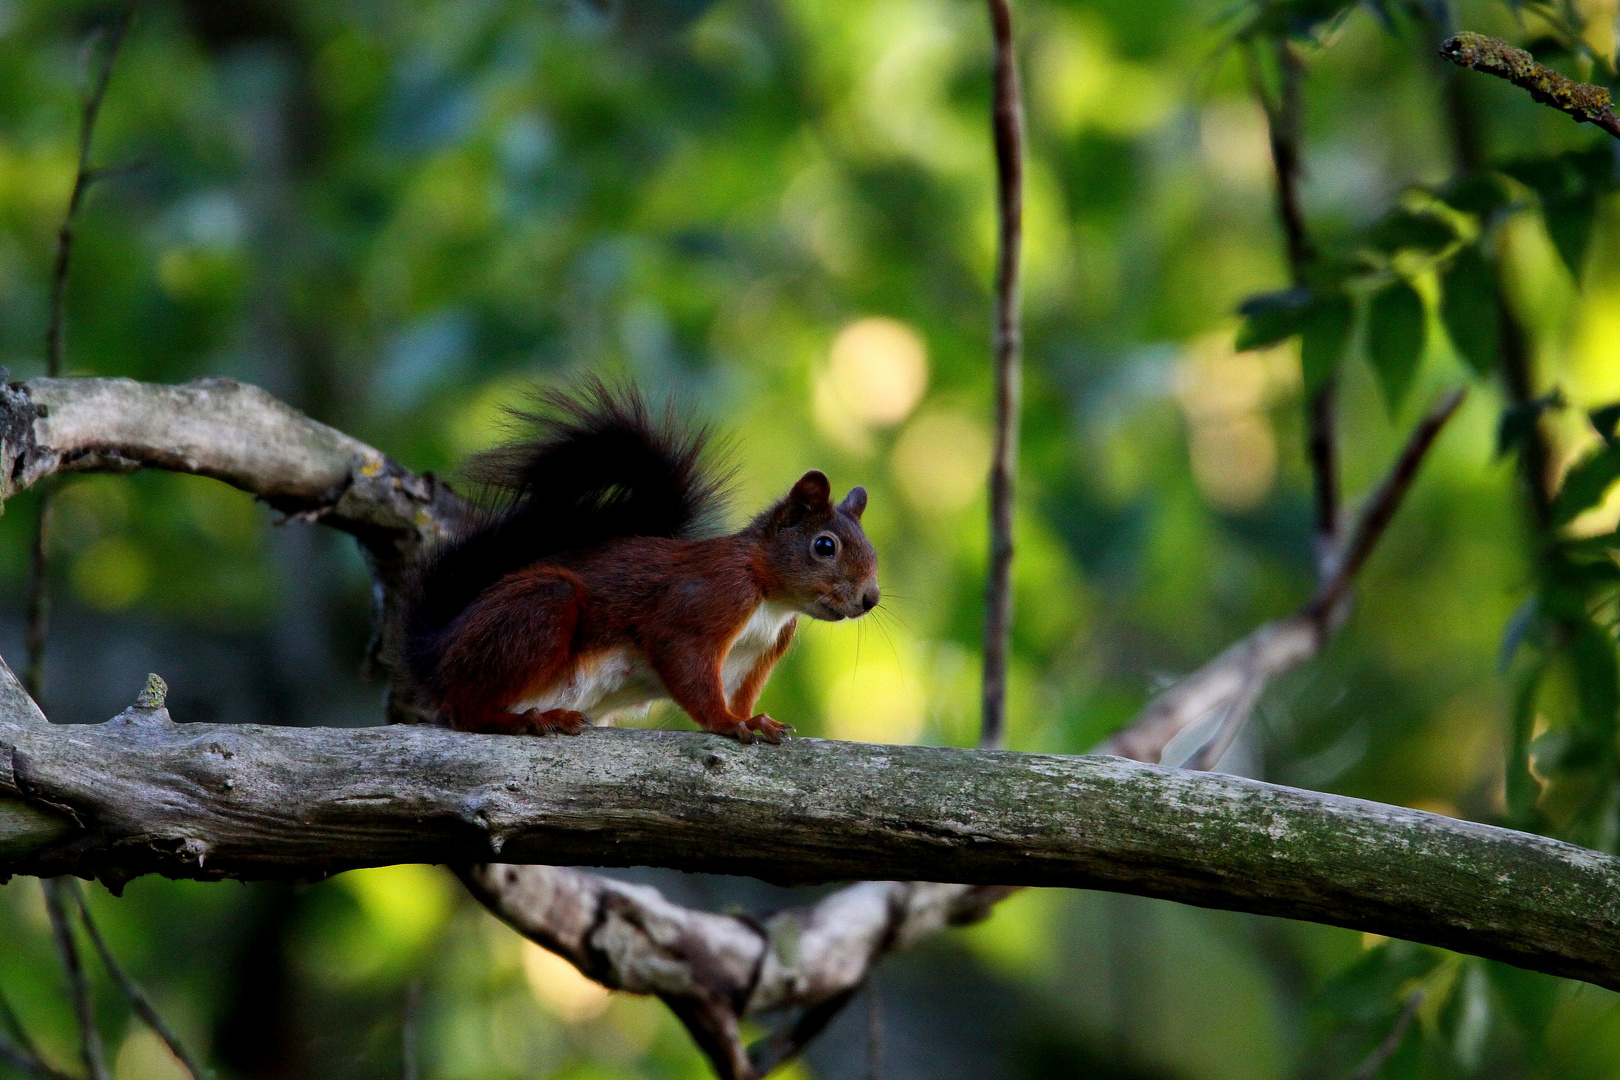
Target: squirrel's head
823	563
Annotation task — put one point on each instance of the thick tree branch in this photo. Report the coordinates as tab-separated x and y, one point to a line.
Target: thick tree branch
220	428
143	794
712	967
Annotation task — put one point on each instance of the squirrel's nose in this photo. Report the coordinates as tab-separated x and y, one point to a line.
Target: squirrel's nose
869	599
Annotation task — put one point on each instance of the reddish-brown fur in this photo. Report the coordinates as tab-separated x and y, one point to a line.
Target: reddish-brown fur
680	603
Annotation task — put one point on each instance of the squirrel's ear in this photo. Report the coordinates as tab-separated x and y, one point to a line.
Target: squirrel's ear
854	503
812	494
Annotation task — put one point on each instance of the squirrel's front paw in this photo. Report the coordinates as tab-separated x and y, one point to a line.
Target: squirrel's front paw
562	721
770	730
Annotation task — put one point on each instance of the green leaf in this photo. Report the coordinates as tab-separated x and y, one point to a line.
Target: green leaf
1568	186
1468	307
1272	317
1569	223
1587	481
1597	686
1401	229
1518	421
1605	419
1326	333
1395	339
1522	788
1479	194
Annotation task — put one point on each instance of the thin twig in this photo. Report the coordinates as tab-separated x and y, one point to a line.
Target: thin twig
409	1070
38	604
82	179
37	609
14	1025
95	1058
1237	714
1585	102
1392	1041
1285	123
874	1033
789	1041
29	1063
23	1054
138	1001
1234	680
1380	507
1007	119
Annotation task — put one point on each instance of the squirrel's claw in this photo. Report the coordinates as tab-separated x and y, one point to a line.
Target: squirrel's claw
744	731
772	731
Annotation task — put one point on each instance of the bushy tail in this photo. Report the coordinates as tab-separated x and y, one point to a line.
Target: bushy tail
596	466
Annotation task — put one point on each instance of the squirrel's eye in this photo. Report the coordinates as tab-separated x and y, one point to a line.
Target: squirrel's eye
824	546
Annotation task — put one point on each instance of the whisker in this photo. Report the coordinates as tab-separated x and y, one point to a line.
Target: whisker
891	613
886	637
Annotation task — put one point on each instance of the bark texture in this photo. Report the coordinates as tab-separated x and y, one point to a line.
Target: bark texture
143	794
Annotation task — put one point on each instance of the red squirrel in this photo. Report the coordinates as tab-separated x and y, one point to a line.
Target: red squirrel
590	589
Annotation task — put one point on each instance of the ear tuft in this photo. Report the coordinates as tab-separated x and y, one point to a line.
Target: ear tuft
813	493
854	503
809	498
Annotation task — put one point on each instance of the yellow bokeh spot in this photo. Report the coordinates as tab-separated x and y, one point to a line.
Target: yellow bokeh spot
143	1056
1224	396
1236	142
559	987
941	461
878	368
406	904
879	700
111	573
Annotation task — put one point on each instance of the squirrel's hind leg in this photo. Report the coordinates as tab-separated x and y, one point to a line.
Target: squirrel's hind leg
514	640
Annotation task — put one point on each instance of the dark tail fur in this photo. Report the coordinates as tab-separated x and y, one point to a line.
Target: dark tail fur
596	466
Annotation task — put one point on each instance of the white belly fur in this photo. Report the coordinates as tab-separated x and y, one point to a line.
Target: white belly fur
620	682
764	626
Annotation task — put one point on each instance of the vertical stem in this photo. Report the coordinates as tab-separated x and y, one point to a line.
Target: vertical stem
874	1032
1535	451
1285	123
95	1057
1008	125
38	607
38	612
82	179
1285	119
409	1069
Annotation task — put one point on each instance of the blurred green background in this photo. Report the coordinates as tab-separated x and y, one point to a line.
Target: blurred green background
401	215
